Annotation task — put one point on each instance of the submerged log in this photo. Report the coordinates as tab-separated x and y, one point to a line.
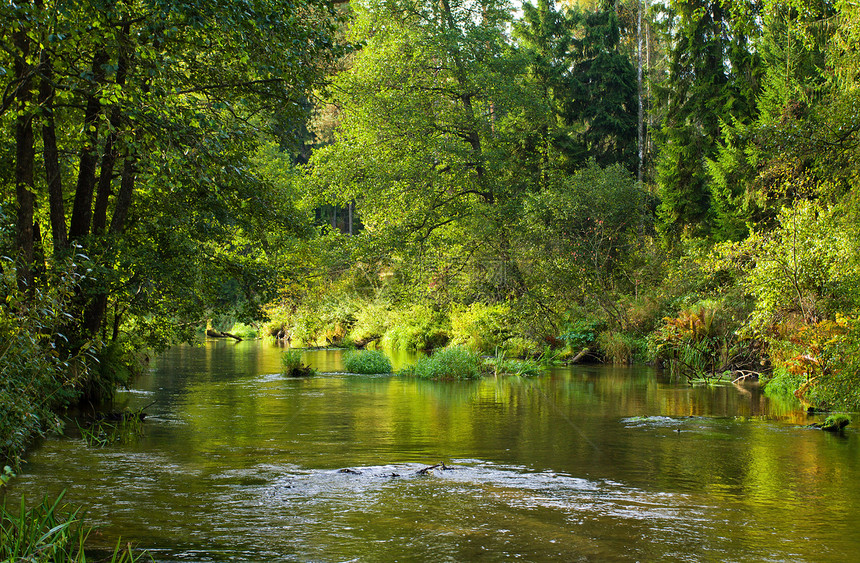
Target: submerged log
835	423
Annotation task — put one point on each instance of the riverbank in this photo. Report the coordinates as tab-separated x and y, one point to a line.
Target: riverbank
708	340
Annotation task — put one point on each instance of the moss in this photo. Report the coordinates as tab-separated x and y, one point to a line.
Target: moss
836	422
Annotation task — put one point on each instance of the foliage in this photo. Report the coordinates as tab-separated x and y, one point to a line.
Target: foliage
804	267
372	320
619	348
38	373
244	331
145	172
50	531
702	342
579	234
479	326
818	364
519	347
713	79
836	422
453	363
367	362
418	327
323	321
581	333
7	475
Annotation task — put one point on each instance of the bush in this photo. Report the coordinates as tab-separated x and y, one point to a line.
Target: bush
518	347
38	373
617	348
367	362
372	320
448	363
820	364
244	331
581	333
703	342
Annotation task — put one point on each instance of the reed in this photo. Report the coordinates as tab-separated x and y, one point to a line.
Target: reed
50	531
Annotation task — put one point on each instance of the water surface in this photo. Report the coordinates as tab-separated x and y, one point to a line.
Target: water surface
585	464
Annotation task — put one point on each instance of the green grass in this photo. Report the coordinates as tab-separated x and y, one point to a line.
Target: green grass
291	365
523	368
50	531
454	363
366	362
101	433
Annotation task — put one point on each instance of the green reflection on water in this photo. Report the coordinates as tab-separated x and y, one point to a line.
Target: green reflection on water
594	463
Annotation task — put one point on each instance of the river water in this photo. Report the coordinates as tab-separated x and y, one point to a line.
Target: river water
584	464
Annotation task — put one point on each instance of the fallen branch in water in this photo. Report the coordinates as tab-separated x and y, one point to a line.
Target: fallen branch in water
582	354
426	470
212	333
745	374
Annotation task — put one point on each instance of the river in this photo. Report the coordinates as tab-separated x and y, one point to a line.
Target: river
587	463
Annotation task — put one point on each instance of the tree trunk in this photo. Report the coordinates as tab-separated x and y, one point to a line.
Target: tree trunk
24	158
110	152
105	179
123	198
52	157
82	212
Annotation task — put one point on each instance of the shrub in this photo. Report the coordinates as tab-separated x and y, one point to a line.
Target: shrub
819	364
448	363
616	347
581	333
367	362
372	320
244	331
38	373
518	347
702	342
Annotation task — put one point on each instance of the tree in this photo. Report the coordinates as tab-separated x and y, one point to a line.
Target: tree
713	80
585	82
143	116
422	109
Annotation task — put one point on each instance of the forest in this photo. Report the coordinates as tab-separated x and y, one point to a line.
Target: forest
668	182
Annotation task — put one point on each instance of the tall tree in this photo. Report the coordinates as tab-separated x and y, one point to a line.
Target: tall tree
143	116
422	108
713	79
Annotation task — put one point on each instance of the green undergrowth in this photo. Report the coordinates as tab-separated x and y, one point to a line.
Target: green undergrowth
367	362
51	531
